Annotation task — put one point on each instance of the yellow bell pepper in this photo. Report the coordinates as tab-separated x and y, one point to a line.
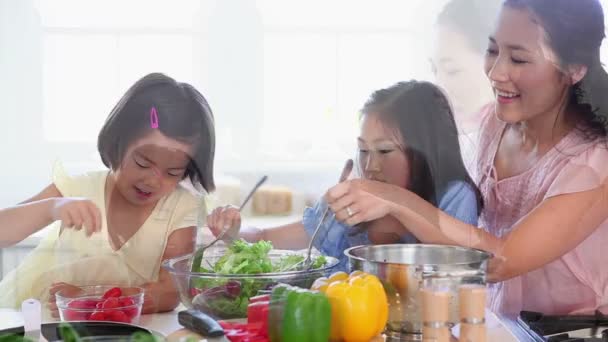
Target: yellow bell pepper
359	307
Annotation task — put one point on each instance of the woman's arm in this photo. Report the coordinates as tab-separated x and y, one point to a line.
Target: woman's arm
552	229
162	295
370	200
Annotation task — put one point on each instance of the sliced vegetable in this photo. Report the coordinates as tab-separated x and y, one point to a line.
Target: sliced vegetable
257	315
243	332
260	298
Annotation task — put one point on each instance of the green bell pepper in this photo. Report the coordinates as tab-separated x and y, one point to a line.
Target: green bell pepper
298	315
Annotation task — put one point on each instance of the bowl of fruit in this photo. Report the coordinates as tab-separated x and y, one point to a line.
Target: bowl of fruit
100	303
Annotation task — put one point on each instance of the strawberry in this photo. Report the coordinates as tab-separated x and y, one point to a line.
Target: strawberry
118	316
111	303
113	292
82	303
97	316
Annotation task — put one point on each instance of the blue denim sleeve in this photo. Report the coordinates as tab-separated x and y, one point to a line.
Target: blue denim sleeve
460	202
332	238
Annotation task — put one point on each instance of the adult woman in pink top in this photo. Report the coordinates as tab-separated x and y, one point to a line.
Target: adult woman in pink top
543	165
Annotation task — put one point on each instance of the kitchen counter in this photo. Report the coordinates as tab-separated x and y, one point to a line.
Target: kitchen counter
499	330
163	323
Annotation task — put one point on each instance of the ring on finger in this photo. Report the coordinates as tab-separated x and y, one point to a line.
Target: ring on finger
349	212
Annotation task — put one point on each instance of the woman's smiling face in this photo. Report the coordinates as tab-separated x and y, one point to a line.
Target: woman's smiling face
523	69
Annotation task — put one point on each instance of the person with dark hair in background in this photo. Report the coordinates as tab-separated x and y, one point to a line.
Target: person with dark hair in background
542	165
461	41
408	139
116	226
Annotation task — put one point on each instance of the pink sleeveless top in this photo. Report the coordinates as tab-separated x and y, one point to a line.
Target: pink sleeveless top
577	281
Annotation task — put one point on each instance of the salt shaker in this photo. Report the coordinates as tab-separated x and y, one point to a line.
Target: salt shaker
472	313
31	310
435	315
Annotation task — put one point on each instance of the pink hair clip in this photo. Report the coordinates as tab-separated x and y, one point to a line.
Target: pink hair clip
153	118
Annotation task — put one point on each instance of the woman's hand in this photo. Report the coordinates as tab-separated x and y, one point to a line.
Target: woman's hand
77	213
360	200
222	218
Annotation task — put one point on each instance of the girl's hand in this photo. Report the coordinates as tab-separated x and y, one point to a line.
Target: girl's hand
77	213
223	218
56	287
251	234
151	302
357	201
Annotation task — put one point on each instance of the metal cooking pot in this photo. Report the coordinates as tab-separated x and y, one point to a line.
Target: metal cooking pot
406	268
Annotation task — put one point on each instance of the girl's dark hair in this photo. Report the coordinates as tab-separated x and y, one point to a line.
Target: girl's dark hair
575	30
475	19
422	115
183	115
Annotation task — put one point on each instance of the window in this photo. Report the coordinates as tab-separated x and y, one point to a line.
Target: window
317	65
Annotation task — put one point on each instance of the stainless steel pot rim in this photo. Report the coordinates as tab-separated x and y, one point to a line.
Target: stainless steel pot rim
483	255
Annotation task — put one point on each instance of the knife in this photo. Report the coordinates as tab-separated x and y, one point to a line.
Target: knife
200	323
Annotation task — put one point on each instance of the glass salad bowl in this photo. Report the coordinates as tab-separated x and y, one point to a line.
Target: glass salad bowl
227	280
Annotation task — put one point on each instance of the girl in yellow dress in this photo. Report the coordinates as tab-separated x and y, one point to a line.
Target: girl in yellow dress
117	226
